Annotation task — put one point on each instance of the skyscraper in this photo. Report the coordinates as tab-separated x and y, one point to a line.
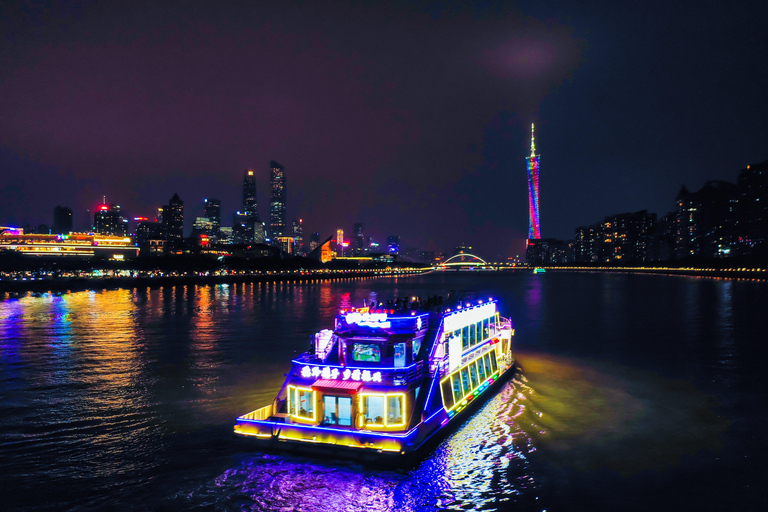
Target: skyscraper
108	220
173	219
534	229
277	215
213	212
62	220
249	195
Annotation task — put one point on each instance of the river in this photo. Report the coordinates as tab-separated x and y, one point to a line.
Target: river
633	392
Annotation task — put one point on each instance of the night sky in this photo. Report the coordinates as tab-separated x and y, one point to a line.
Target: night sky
412	118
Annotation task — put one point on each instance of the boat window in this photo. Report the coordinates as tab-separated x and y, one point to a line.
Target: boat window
366	352
473	375
302	403
373	409
458	394
338	410
447	393
481	369
399	355
488	368
395	410
472	339
493	360
486	330
292	401
465	381
417	346
465	337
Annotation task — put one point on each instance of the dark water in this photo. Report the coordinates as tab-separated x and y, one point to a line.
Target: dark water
634	393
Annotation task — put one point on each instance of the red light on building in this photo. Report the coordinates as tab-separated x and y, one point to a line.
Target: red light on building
103	207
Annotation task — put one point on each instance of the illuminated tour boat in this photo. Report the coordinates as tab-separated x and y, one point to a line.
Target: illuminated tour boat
387	380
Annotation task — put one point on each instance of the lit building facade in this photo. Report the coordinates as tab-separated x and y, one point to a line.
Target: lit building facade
298	235
213	213
277	203
173	219
75	244
108	220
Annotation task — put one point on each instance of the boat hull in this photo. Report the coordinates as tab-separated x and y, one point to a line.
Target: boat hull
272	434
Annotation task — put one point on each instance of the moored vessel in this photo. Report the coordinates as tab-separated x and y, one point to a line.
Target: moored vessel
387	378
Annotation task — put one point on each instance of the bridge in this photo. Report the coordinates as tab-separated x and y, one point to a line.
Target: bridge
465	261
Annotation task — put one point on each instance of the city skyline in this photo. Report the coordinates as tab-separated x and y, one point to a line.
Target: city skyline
424	138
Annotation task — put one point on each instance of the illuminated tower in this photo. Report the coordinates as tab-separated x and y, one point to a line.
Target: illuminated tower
277	220
249	196
534	229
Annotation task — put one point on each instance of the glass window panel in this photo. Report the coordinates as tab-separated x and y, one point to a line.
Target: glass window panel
465	381
447	393
345	411
373	409
493	360
330	412
481	369
473	375
416	347
399	355
458	394
292	401
488	368
306	403
465	337
395	410
472	339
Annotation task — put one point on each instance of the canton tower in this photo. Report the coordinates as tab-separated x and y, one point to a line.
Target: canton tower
534	229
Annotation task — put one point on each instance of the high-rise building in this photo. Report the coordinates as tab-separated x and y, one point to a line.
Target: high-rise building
250	205
359	240
277	211
213	212
108	220
173	219
62	220
534	229
314	241
298	235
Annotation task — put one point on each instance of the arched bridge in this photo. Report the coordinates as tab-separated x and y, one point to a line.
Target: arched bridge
465	260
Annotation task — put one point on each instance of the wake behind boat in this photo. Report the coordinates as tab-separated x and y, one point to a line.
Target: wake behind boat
387	379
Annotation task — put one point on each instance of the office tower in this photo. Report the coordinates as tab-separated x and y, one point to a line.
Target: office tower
534	229
359	240
62	220
298	234
277	217
108	220
250	205
213	213
314	241
173	219
340	241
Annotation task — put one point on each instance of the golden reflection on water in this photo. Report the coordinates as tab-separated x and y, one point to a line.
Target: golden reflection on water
594	415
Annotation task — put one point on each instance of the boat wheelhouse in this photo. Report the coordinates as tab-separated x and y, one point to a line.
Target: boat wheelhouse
387	379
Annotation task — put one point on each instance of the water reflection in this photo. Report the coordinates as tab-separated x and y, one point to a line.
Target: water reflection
483	465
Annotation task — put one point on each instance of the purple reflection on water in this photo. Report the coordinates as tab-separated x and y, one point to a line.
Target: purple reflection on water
482	465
